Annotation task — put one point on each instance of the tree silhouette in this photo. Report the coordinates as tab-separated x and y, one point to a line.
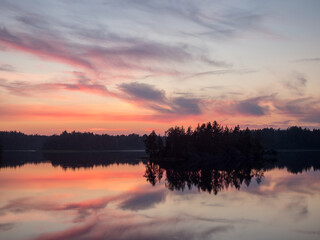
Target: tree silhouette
90	141
153	144
208	141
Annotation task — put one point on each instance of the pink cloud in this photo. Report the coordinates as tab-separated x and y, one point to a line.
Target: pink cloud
128	54
79	82
44	47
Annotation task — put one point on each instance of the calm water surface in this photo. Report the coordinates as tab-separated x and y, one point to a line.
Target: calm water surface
115	196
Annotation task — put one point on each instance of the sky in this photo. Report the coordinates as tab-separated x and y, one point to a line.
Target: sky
124	66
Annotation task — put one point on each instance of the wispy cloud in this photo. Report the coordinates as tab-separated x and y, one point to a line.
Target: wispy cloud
45	47
7	68
96	46
79	83
297	83
219	72
256	106
142	91
298	208
6	226
223	220
122	53
309	232
149	96
112	52
316	59
216	63
212	18
305	109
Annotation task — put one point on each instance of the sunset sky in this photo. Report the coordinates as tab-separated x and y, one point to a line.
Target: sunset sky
123	66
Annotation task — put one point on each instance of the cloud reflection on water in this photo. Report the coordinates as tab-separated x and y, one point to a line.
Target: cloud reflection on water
132	226
112	210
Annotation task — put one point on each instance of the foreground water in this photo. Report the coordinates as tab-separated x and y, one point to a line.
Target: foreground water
115	196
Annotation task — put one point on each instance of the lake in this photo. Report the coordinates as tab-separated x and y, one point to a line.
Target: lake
116	195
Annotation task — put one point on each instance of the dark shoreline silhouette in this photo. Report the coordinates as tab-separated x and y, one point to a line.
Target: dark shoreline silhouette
70	141
291	138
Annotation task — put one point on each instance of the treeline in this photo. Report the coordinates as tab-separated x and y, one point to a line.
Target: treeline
70	141
291	138
19	141
210	138
205	142
90	141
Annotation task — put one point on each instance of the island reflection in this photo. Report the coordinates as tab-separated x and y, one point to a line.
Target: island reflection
220	176
212	178
204	178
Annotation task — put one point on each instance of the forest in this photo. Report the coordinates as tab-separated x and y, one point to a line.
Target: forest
14	140
90	141
207	141
212	140
209	137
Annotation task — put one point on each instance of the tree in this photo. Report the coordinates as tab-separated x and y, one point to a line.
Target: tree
152	144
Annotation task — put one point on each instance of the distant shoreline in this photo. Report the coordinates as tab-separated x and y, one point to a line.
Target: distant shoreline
297	150
74	151
132	150
294	139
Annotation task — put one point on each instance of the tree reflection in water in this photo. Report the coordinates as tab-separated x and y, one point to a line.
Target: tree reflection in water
208	179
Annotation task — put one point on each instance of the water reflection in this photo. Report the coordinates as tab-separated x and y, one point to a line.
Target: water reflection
297	161
220	176
70	160
47	201
293	161
212	180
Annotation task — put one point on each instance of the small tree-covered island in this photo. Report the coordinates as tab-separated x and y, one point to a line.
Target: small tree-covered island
210	142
